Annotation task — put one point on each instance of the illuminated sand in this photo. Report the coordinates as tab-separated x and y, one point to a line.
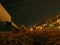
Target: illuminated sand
47	36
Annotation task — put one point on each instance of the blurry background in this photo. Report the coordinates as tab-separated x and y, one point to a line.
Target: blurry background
30	12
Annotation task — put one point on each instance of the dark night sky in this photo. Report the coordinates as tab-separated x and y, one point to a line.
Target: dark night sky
29	12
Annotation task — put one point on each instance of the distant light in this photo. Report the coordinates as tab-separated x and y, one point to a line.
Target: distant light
50	25
58	20
58	26
31	29
39	27
44	24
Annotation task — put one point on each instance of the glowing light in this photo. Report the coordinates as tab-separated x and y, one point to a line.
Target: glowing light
58	20
58	26
31	29
39	27
50	25
44	24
